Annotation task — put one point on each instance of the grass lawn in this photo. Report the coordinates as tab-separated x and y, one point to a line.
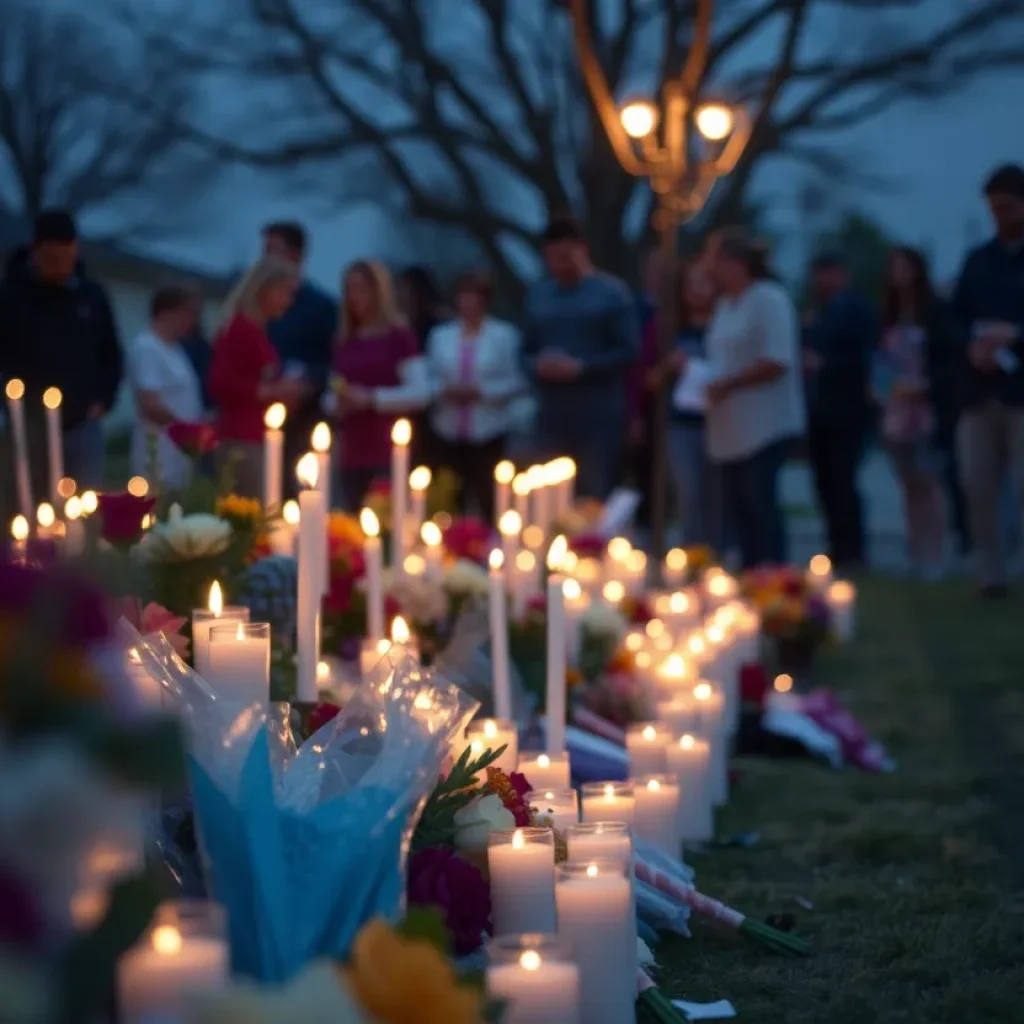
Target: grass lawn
916	878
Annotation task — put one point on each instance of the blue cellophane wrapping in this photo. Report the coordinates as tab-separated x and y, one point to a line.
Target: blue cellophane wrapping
303	844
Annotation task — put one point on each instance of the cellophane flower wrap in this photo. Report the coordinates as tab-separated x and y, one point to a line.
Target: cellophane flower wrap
305	843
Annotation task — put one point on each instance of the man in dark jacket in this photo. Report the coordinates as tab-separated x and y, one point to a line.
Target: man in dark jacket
57	329
839	340
989	307
304	339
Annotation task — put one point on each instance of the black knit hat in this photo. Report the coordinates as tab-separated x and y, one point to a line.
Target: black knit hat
1007	180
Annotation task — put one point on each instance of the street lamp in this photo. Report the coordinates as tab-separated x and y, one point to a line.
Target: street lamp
682	146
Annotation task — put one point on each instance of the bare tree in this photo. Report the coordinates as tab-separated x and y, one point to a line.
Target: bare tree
71	134
471	115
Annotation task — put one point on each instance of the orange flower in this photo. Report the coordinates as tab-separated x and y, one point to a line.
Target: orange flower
573	677
621	661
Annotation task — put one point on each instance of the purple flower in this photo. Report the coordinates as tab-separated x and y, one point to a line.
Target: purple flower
84	615
440	878
21	924
818	609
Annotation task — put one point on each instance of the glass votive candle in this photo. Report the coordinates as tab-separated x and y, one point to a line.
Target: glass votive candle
556	808
545	771
595	920
491	733
535	978
675	671
183	952
608	801
689	760
371	653
599	840
240	662
203	620
149	691
675	712
645	746
708	709
521	865
657	811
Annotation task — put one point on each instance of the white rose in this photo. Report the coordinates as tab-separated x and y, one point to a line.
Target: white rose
473	824
603	620
182	537
466	577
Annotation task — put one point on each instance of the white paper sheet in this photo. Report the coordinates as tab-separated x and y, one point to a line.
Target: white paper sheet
705	1011
690	394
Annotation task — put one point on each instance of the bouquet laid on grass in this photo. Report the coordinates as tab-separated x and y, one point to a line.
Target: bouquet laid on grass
794	617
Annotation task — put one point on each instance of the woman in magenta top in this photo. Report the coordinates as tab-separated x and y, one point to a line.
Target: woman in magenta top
375	350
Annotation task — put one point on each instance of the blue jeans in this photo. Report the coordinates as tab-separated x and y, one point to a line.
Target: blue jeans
750	503
691	480
85	455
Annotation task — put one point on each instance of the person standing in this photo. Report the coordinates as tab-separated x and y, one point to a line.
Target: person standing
165	387
245	374
911	380
57	329
581	338
755	406
302	338
841	336
989	306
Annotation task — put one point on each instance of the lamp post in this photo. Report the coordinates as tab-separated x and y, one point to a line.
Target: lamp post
682	146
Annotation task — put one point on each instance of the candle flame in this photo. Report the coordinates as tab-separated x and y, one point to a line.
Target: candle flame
166	940
841	592
419	478
570	468
66	486
504	471
654	628
619	549
636	562
634	641
696	644
290	513
490	729
591	871
147	521
556	553
535	476
721	585
400	631
369	523
496	559
613	592
715	634
45	516
138	486
240	631
320	439
572	590
430	533
551	474
783	683
510	523
609	792
533	537
73	507
702	691
518	839
543	761
308	470
19	528
650	734
323	672
686	742
414	564
530	960
216	600
15	389
676	560
570	562
401	433
679	603
90	502
653	785
521	485
820	565
52	398
526	561
675	665
274	417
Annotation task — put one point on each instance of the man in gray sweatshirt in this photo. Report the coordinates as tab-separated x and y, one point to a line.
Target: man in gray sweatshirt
581	337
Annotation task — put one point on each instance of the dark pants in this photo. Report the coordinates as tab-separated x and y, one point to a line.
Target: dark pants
749	500
596	448
473	464
355	483
835	449
946	443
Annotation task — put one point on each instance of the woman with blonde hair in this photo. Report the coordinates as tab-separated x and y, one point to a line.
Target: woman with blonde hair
245	371
376	350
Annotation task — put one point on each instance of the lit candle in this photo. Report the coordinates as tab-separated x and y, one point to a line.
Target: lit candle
90	502
645	745
674	571
521	865
595	920
719	586
15	391
430	534
52	398
401	435
608	801
521	495
657	811
576	604
599	840
613	593
674	671
709	722
545	771
842	601
419	484
46	518
148	690
588	575
204	619
688	760
555	808
183	954
504	473
523	582
74	532
556	649
401	636
374	560
320	442
273	457
19	534
240	662
490	734
819	572
616	553
568	484
371	653
675	711
497	599
312	540
510	525
534	980
284	532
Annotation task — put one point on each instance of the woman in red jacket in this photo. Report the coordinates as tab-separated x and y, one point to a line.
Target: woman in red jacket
245	372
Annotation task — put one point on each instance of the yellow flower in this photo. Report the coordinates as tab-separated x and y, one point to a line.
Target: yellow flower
402	981
234	506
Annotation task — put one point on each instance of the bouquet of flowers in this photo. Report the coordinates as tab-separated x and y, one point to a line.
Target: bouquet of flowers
794	617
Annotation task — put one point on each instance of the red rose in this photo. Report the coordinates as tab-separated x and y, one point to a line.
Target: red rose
587	545
121	516
193	438
754	683
321	715
380	485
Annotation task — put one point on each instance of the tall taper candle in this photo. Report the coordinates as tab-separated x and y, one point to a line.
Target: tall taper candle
273	458
373	558
312	531
15	392
556	648
54	441
419	484
498	608
510	525
320	440
401	435
521	495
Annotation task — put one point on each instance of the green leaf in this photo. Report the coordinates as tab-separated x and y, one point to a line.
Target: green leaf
426	924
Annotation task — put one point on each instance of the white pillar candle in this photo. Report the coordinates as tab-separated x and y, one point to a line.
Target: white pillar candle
645	746
556	808
74	528
674	672
709	722
532	976
556	649
204	619
521	865
183	954
674	569
510	525
594	919
15	391
655	819
504	473
688	759
147	689
608	801
523	576
497	598
401	435
490	734
576	604
240	662
603	841
312	538
430	534
419	485
842	602
545	771
675	712
373	557
819	572
52	398
273	457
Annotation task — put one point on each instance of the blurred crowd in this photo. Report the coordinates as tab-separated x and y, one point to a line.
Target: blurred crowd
752	378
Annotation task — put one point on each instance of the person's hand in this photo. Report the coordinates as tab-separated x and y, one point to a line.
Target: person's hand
95	411
355	398
812	361
717	391
461	394
557	367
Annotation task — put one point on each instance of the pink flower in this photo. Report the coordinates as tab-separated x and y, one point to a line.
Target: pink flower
153	619
441	878
193	438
